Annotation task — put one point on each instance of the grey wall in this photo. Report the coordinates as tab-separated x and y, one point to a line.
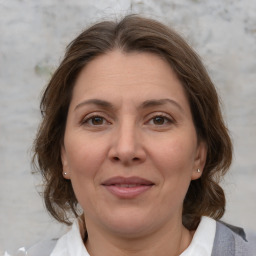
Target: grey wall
33	36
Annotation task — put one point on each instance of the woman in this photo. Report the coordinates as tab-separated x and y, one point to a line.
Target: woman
133	136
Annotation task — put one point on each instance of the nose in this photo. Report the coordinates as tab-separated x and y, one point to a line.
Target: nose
127	144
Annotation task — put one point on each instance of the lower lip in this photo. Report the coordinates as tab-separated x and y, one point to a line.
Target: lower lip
124	192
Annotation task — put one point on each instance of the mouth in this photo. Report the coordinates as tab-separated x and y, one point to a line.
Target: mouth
129	187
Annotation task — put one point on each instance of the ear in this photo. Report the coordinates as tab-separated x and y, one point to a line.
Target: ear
65	167
199	161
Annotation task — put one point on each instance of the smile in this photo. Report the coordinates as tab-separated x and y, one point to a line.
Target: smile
127	185
130	187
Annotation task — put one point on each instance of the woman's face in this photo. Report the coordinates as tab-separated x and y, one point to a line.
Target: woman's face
130	145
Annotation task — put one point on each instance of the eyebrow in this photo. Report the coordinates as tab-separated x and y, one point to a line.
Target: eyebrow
144	105
160	102
98	102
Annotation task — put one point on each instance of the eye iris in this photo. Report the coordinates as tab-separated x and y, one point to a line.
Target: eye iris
159	120
97	120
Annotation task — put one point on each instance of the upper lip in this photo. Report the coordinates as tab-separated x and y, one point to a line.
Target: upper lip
127	180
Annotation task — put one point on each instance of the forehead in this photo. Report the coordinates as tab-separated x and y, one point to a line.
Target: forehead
117	64
138	76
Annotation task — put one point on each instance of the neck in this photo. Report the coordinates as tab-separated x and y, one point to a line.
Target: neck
172	240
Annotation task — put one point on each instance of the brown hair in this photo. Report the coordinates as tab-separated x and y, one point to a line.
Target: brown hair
134	33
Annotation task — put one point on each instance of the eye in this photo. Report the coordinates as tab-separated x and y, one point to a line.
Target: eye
160	120
95	121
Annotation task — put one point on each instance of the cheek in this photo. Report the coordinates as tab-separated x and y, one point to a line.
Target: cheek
84	152
84	160
175	161
175	156
85	165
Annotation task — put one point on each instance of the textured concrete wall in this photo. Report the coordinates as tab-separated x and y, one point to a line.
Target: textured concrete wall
33	36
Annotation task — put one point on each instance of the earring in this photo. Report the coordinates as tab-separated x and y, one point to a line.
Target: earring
65	173
198	170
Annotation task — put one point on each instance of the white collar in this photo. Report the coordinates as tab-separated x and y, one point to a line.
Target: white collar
203	239
71	244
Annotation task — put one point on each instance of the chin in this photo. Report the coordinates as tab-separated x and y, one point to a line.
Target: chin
131	224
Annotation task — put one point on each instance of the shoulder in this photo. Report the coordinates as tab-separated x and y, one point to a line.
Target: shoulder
69	242
42	248
230	241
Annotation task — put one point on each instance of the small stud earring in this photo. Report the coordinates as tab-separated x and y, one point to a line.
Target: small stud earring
65	173
198	170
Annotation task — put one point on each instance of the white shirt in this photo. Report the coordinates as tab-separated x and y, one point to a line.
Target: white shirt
203	239
71	244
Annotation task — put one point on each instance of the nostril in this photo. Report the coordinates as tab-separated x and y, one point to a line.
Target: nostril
116	158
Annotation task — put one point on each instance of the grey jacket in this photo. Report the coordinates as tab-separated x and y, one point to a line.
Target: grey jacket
229	241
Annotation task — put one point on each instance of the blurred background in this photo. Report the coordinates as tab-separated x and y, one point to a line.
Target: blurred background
33	37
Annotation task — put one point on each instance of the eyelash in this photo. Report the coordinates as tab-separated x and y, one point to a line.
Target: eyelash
166	118
86	120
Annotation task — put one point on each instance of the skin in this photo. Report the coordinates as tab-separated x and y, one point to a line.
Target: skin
132	137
